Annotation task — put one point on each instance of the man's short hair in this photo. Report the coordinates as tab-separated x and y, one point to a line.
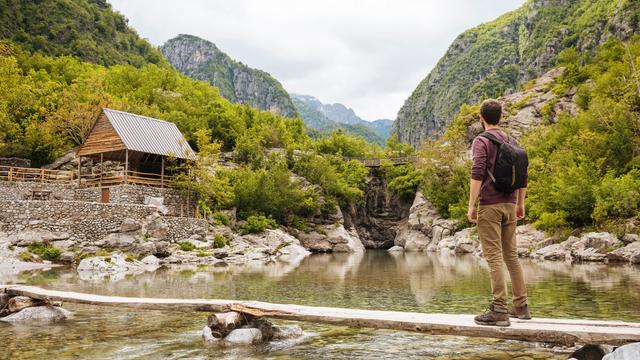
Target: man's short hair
491	111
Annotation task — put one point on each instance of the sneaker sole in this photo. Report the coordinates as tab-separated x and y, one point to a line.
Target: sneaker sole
497	323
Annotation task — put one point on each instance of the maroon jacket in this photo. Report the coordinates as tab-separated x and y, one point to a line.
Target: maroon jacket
484	157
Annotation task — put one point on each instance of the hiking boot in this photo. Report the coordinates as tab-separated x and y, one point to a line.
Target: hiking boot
520	312
494	316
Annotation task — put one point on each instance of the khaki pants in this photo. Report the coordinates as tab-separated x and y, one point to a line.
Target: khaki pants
497	233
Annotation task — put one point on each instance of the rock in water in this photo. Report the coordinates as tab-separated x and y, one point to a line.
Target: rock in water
396	248
287	332
626	352
221	324
38	314
247	336
207	335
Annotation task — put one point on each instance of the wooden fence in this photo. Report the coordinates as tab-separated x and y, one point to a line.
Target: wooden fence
13	173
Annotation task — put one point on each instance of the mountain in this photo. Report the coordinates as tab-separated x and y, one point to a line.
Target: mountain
495	58
88	29
328	117
202	60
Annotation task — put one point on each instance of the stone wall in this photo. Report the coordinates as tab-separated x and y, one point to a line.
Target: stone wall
176	202
84	221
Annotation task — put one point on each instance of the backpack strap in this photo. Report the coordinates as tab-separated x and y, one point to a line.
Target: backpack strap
494	139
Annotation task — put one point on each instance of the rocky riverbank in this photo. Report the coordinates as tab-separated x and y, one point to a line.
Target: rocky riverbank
425	230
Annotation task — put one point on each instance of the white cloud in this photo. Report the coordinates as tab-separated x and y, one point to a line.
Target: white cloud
368	55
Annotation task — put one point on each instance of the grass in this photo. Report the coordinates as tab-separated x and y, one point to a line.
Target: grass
44	251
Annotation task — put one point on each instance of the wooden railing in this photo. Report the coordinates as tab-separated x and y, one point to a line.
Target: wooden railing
132	177
376	162
14	173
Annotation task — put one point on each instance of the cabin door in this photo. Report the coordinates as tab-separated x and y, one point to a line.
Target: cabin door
105	195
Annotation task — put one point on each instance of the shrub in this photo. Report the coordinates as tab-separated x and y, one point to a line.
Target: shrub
45	251
257	224
26	256
187	246
300	223
220	218
219	241
617	197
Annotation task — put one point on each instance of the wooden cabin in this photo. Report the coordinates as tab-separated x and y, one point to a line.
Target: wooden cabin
141	143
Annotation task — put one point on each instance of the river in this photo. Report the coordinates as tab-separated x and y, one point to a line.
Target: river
374	280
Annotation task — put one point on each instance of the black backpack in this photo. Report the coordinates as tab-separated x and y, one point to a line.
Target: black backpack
510	171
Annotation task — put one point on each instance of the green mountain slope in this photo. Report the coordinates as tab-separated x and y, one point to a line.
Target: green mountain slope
496	57
87	29
202	60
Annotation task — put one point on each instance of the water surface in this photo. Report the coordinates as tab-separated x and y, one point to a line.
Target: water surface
374	280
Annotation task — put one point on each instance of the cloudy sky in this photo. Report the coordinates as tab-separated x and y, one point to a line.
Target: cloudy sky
369	55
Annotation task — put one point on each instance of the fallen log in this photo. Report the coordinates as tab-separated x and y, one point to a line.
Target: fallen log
558	331
222	324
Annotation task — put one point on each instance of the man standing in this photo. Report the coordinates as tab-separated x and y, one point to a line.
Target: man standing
497	217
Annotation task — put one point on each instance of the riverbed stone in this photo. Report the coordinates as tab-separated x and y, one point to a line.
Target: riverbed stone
247	336
630	238
629	253
594	246
38	314
626	352
286	332
396	248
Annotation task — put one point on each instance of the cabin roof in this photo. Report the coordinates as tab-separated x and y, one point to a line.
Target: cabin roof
149	135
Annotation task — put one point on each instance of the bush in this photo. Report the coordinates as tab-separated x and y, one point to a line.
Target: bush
187	246
221	218
219	241
617	197
257	224
45	251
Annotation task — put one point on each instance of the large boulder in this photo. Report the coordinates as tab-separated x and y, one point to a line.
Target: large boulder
38	314
561	251
155	226
117	266
36	237
130	225
629	253
594	246
331	238
462	242
529	239
626	352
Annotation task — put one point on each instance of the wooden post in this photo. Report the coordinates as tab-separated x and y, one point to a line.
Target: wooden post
101	168
162	173
42	175
126	166
10	172
79	169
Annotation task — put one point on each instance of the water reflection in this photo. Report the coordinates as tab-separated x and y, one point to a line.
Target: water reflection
375	280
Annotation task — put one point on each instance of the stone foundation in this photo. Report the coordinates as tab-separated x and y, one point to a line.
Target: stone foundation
85	221
176	202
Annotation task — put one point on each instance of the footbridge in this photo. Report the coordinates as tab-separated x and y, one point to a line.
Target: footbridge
557	331
377	162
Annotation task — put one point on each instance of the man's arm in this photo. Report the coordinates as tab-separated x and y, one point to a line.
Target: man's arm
472	213
520	212
478	171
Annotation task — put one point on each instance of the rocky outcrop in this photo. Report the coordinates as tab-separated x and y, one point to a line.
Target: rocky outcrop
494	58
592	246
379	218
331	238
202	60
38	314
424	228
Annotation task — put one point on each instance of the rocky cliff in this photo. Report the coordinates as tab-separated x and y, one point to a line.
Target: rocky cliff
202	60
494	58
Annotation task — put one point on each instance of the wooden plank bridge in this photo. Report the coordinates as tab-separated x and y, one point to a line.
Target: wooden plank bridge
558	331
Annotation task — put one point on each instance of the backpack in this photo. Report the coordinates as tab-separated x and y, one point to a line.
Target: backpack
510	171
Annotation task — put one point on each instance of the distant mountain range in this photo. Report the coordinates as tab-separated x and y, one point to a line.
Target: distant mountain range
202	60
328	117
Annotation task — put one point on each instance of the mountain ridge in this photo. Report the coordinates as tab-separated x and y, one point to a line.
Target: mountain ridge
202	60
495	58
